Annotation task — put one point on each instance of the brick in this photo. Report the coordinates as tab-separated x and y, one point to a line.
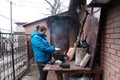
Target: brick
109	21
105	49
117	41
113	51
107	36
109	31
116	58
106	64
116	24
109	40
115	14
115	36
110	60
117	30
102	48
117	64
107	55
102	52
115	46
108	26
111	72
113	78
106	71
118	53
107	45
117	18
116	69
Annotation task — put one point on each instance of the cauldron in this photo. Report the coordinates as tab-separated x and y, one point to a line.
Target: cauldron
59	55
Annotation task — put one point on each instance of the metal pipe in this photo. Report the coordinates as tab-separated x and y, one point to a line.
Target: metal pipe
11	15
12	51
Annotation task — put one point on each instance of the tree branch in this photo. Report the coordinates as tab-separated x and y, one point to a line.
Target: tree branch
49	3
55	6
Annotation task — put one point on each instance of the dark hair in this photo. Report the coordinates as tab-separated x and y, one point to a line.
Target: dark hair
41	28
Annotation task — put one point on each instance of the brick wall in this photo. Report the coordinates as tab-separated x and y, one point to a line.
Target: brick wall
30	28
110	43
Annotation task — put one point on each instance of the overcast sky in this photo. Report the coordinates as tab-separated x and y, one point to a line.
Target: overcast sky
23	11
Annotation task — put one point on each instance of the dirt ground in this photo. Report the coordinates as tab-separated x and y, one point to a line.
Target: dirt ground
33	74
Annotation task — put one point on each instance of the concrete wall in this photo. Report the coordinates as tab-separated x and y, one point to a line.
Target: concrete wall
110	42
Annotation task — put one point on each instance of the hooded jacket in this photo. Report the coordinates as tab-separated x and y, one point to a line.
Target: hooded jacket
41	48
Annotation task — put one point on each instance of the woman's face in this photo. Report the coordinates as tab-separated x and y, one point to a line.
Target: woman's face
43	32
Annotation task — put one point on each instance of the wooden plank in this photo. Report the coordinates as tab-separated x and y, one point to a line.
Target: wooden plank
73	68
92	38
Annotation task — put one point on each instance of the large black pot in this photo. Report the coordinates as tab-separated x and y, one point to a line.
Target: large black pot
59	55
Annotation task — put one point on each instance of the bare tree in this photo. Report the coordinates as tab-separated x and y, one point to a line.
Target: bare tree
55	6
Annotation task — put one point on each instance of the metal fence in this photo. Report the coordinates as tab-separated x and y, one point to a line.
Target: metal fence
13	55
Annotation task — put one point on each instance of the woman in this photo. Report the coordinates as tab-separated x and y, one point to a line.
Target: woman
42	49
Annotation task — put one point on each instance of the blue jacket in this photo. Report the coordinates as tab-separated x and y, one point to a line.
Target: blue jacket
41	48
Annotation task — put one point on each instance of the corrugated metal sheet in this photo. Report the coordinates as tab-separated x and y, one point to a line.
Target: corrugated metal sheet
97	1
100	1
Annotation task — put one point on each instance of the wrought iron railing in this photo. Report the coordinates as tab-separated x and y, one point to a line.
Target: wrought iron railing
13	55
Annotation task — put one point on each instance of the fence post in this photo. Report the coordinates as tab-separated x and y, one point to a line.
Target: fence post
28	66
12	52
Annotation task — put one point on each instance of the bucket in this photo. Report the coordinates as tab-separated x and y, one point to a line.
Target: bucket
79	55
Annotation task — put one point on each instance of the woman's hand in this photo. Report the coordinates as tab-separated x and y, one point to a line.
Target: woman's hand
57	48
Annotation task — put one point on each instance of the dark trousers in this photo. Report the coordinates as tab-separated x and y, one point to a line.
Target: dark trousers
43	74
